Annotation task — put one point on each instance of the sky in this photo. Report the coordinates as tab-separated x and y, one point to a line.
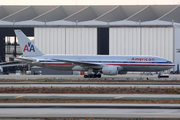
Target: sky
89	2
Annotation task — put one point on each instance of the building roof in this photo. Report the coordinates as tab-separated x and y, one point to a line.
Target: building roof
89	15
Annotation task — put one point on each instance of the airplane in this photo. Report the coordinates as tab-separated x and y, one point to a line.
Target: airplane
94	65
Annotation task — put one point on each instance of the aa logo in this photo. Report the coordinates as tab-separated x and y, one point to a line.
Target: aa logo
29	47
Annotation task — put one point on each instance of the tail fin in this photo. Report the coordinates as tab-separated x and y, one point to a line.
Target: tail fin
27	47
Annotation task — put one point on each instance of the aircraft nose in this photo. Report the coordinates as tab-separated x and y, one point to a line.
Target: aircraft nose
172	65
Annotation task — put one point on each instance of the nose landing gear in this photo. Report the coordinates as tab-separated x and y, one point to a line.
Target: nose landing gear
162	75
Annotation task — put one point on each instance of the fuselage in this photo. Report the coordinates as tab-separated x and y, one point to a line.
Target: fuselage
128	63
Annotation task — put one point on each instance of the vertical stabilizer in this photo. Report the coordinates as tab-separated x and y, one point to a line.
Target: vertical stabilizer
27	47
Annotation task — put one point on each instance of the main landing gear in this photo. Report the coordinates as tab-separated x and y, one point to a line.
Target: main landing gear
92	76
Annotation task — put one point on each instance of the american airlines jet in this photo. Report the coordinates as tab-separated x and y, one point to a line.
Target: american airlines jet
94	65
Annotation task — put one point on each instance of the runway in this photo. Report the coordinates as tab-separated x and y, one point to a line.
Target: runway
89	83
8	110
90	110
93	96
129	76
81	84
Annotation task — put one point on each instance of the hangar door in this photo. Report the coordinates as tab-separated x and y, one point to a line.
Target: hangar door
156	41
66	40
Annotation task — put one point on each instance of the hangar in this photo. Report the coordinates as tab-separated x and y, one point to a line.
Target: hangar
95	30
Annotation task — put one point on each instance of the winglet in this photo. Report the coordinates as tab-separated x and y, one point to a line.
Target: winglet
27	47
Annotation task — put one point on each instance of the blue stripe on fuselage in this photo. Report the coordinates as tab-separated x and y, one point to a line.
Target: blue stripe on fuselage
108	61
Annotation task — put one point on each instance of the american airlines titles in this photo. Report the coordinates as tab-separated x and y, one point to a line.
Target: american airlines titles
142	59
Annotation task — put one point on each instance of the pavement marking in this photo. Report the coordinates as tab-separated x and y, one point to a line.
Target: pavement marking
19	96
118	97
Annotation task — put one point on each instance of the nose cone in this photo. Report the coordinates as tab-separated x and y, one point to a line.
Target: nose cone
171	65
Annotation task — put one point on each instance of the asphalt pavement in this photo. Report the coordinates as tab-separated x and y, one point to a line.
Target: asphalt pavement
39	110
129	76
93	96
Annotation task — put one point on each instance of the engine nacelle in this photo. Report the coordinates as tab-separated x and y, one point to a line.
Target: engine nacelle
78	68
111	70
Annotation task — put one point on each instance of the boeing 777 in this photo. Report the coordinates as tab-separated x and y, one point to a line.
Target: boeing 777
94	65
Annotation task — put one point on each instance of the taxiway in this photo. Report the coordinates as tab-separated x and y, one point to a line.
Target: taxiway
134	76
90	110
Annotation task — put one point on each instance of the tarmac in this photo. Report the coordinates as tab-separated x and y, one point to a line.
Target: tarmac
92	96
8	110
134	76
61	110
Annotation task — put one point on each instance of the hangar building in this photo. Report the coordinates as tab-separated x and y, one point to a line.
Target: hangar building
95	30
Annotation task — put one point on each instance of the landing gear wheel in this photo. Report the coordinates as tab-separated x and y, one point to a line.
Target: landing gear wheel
99	75
95	75
90	76
85	76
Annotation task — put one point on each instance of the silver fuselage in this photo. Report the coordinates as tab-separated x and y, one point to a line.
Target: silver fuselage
128	63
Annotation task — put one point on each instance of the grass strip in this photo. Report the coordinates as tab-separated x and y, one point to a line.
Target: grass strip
91	90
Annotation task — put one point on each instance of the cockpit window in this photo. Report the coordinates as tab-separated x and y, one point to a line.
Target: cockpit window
168	62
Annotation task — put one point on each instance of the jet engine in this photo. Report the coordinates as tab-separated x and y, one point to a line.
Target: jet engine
78	68
111	70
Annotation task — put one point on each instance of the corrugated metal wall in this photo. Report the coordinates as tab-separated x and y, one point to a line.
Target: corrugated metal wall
176	47
66	40
156	41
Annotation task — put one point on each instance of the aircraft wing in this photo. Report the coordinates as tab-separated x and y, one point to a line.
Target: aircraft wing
79	63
